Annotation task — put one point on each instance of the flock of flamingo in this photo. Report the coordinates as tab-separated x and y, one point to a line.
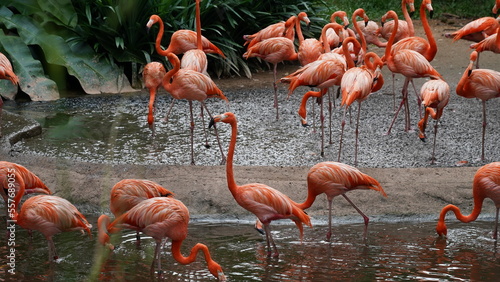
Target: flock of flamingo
147	207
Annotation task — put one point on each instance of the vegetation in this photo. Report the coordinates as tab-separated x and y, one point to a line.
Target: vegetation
98	42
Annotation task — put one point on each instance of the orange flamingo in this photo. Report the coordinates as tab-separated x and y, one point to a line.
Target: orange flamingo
281	29
405	28
273	50
435	94
192	86
6	72
20	179
333	179
49	215
153	74
159	217
490	43
127	193
483	84
371	32
496	7
309	49
332	37
266	203
476	30
357	84
360	13
196	59
409	63
181	41
486	185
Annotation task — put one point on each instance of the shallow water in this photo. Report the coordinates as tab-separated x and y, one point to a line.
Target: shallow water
392	251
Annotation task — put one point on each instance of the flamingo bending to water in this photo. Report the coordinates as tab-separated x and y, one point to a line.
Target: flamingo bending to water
486	185
266	203
159	217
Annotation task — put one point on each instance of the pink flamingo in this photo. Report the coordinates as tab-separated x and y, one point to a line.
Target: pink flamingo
159	217
266	203
490	43
483	84
405	27
486	185
6	72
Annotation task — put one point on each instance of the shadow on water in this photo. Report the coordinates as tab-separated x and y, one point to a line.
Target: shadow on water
392	251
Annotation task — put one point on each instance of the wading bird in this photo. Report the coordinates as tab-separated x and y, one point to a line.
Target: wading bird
6	72
19	178
152	75
486	185
160	218
435	95
405	28
483	84
266	203
334	179
127	193
490	43
49	215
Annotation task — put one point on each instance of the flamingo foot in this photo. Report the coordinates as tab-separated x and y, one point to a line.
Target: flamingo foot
328	236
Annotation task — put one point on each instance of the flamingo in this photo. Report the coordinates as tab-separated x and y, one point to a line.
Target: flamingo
405	27
181	41
15	178
371	32
428	48
159	217
191	85
266	203
357	84
309	49
127	193
153	74
409	63
495	8
483	84
435	94
476	30
6	72
322	73
281	29
486	185
334	179
490	43
273	50
332	38
49	215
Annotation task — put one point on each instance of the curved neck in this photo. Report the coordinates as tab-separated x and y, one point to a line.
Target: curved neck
174	60
298	29
407	17
431	53
198	26
478	205
359	13
337	29
176	253
463	79
231	183
388	47
159	36
311	197
347	54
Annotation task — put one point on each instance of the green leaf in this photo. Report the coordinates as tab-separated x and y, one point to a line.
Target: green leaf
61	9
31	75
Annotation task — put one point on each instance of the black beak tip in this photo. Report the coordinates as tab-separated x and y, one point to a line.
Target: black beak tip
411	14
211	123
423	139
366	23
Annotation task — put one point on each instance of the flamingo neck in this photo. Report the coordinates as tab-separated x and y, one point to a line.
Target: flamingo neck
159	36
431	53
167	79
231	183
347	54
358	30
390	42
478	205
176	253
407	17
152	96
461	83
311	197
198	26
298	29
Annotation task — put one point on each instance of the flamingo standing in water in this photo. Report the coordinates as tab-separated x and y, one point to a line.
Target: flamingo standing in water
273	50
357	84
334	179
483	84
486	185
159	217
21	179
50	215
435	94
6	72
127	193
266	203
409	63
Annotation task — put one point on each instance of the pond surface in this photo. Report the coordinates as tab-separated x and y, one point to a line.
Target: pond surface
392	251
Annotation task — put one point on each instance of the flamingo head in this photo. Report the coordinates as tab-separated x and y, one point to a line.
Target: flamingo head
411	4
102	223
441	228
226	118
303	17
152	20
428	6
216	271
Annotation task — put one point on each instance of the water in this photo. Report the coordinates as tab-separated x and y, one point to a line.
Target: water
392	252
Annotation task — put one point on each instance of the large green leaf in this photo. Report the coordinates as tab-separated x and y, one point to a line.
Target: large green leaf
94	76
31	75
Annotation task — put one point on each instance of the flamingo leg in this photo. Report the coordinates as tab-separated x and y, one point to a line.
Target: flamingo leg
433	159
156	258
223	160
393	93
357	137
397	111
484	130
52	250
342	133
330	111
365	218
275	87
191	128
329	233
270	242
169	110
495	232
204	130
322	119
407	108
138	238
419	100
